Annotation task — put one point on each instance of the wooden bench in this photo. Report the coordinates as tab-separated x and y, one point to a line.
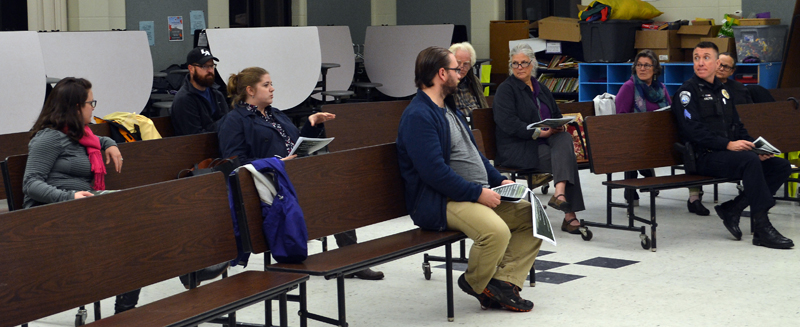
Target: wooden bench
782	94
125	253
146	162
17	143
338	192
777	123
619	143
358	125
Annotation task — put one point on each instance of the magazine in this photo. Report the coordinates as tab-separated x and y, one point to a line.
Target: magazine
514	192
764	147
552	122
308	145
541	224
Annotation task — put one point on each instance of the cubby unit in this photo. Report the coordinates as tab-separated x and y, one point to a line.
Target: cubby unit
598	78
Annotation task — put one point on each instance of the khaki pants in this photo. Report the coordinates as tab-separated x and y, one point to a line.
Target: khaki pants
504	247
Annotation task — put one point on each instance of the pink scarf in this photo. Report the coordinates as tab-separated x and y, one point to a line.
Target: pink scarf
92	145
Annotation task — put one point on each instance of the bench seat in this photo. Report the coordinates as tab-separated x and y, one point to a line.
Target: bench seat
363	255
208	301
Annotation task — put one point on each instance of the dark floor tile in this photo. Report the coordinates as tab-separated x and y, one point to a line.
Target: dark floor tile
555	278
545	265
606	262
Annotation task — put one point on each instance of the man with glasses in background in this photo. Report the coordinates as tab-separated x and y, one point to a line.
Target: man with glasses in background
198	105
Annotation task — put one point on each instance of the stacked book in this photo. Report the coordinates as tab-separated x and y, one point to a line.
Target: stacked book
562	62
559	84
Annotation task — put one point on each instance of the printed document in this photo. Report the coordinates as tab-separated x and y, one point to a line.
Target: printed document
308	145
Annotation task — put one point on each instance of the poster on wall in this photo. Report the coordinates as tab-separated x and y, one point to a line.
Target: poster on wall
149	28
197	20
175	24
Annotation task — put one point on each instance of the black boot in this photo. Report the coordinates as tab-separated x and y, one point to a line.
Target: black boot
127	301
205	274
730	212
766	235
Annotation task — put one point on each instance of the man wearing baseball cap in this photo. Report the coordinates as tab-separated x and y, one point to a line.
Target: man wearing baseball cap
198	105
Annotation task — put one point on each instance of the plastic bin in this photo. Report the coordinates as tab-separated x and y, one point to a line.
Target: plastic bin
609	41
764	42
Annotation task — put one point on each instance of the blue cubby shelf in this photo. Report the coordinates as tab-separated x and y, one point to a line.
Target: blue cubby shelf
598	78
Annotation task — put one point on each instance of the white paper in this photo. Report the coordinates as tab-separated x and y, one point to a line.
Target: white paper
149	28
541	224
513	192
308	145
553	47
552	122
764	147
197	20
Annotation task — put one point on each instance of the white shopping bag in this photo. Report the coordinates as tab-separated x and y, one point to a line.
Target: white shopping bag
604	104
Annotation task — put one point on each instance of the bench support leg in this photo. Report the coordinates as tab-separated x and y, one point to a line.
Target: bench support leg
340	296
303	306
653	219
284	316
449	267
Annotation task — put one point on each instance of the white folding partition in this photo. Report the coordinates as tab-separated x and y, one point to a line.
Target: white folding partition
290	54
391	51
117	63
23	84
336	46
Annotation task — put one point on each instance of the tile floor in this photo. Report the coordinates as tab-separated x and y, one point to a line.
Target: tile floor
700	276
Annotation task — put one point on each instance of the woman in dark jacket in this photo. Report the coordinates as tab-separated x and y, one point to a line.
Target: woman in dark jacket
254	129
521	100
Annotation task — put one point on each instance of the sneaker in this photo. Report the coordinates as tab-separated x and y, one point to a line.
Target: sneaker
507	295
485	301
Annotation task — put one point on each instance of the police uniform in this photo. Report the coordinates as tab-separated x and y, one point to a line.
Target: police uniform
707	118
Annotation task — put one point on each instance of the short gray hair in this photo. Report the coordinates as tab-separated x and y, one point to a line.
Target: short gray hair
465	46
527	51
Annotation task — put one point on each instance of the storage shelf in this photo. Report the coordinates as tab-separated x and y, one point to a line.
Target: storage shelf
673	75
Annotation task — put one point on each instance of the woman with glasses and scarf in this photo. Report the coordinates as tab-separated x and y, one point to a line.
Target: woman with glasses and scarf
521	100
642	93
65	159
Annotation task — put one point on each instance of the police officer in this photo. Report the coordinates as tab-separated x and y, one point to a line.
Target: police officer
707	119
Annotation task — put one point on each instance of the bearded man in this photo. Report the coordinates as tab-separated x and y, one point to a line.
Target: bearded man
198	105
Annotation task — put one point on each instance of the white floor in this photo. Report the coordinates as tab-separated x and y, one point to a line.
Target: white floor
700	276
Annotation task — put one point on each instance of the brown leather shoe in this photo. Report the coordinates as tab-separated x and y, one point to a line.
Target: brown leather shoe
367	274
561	205
566	227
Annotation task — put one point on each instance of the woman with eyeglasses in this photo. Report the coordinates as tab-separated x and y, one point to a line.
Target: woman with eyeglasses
521	100
65	159
642	93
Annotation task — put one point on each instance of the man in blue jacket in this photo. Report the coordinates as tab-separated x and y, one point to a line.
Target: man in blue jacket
447	184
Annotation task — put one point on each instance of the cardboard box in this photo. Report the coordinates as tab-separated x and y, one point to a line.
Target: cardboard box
759	21
725	44
691	34
665	44
559	29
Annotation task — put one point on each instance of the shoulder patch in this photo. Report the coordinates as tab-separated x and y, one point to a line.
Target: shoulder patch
685	97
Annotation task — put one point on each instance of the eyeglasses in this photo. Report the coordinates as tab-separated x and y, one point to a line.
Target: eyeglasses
644	66
457	70
206	67
464	64
523	64
93	103
726	68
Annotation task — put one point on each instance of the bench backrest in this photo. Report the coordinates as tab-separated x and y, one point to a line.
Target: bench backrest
337	191
164	126
775	121
63	255
585	108
785	93
146	162
358	125
617	143
483	120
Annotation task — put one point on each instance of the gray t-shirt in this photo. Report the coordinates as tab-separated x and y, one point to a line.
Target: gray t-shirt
465	159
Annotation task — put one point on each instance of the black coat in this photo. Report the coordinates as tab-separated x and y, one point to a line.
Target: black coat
191	113
514	110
